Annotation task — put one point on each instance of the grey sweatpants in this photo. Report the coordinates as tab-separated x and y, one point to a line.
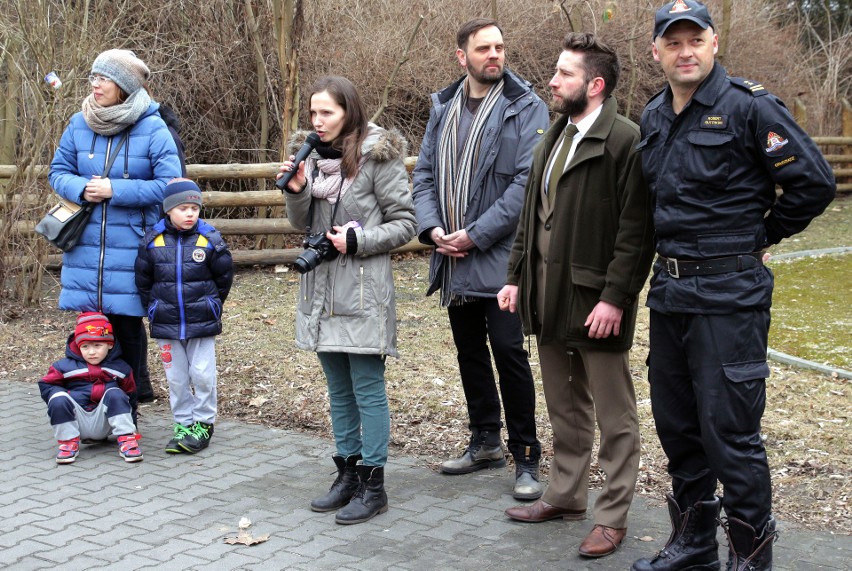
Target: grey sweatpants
92	424
191	372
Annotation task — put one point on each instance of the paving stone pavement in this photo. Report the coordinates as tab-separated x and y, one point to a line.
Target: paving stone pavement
173	512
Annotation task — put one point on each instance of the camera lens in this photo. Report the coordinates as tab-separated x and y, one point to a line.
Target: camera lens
307	261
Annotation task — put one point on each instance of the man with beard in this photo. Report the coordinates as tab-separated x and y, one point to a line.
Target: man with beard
468	191
580	258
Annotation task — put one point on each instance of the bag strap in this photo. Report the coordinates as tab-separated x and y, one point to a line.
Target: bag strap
114	155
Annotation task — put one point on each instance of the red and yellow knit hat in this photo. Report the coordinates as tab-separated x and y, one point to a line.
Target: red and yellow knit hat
93	326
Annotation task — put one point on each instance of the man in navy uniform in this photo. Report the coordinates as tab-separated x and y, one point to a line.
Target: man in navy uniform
713	149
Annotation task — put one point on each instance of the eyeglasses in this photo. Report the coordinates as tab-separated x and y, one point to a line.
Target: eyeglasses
98	79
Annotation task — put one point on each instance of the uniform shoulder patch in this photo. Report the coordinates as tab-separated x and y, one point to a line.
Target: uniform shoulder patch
753	87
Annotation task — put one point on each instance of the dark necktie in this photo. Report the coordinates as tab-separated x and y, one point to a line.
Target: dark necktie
559	161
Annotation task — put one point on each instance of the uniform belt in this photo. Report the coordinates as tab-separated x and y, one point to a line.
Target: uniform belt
709	266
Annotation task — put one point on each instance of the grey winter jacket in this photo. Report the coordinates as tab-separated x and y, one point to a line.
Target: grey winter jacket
516	124
347	304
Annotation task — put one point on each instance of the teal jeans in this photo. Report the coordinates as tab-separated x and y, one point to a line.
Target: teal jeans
360	417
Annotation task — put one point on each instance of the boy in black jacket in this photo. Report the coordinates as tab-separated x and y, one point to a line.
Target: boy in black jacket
89	392
184	272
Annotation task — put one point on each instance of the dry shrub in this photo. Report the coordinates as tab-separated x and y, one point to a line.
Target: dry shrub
204	66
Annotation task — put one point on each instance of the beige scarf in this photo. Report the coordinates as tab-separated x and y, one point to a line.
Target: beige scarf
108	121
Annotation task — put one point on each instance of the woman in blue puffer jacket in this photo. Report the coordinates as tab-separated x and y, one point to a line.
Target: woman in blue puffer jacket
97	274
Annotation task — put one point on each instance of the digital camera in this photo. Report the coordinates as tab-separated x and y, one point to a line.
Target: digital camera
317	248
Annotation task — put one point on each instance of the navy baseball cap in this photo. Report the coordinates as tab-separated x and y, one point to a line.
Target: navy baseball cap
695	12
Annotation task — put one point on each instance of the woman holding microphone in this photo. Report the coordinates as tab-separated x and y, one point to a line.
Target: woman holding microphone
351	195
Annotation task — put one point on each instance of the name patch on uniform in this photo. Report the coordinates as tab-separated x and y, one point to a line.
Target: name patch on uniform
199	255
714	121
786	161
774	141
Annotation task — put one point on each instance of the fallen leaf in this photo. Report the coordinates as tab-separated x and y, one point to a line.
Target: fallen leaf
646	538
245	538
258	401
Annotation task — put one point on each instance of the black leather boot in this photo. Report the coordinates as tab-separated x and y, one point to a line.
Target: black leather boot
748	551
369	500
343	487
527	484
484	451
692	544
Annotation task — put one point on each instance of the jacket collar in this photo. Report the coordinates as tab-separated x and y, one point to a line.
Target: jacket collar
710	88
599	130
592	143
706	94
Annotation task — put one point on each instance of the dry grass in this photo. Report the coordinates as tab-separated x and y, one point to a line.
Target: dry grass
264	379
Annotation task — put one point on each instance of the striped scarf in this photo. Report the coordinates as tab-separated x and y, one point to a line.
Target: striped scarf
455	175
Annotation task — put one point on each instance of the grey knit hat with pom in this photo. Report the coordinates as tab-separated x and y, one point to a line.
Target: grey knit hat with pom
123	67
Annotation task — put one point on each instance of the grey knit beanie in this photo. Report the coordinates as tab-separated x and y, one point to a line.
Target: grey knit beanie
181	191
123	67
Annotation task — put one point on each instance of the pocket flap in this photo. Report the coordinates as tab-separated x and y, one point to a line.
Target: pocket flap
746	371
588	277
709	138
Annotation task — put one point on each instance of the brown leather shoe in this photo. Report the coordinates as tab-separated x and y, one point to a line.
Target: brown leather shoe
602	541
543	511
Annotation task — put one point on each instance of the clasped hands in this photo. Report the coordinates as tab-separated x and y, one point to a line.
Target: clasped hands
454	245
97	189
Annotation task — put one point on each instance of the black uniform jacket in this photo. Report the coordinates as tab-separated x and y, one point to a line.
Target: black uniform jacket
712	172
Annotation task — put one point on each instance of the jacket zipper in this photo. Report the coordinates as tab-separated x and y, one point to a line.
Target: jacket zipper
179	270
102	252
361	303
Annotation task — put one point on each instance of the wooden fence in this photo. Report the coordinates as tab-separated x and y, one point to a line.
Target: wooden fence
841	164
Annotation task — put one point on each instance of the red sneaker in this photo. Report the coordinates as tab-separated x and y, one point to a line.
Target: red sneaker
128	447
68	450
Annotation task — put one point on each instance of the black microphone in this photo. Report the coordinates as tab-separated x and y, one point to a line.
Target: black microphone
312	141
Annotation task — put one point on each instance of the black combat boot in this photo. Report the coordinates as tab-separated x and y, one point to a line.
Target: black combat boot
369	499
343	487
692	544
748	551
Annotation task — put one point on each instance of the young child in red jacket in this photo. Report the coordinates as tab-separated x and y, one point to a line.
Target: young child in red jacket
88	393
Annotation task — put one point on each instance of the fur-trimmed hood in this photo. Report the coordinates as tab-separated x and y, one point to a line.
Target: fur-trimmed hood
380	144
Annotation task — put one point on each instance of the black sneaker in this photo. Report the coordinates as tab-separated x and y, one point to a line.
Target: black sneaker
198	439
181	432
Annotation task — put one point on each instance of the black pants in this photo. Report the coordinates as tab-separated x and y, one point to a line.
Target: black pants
131	335
475	324
708	391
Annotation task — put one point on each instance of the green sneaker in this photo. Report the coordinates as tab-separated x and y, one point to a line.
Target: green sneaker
198	439
181	432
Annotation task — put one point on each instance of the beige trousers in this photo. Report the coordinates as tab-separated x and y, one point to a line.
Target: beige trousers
582	386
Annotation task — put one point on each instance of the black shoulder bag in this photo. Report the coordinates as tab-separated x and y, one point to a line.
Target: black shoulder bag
64	223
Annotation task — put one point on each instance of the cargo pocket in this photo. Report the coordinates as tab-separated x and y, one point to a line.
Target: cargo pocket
746	371
744	398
